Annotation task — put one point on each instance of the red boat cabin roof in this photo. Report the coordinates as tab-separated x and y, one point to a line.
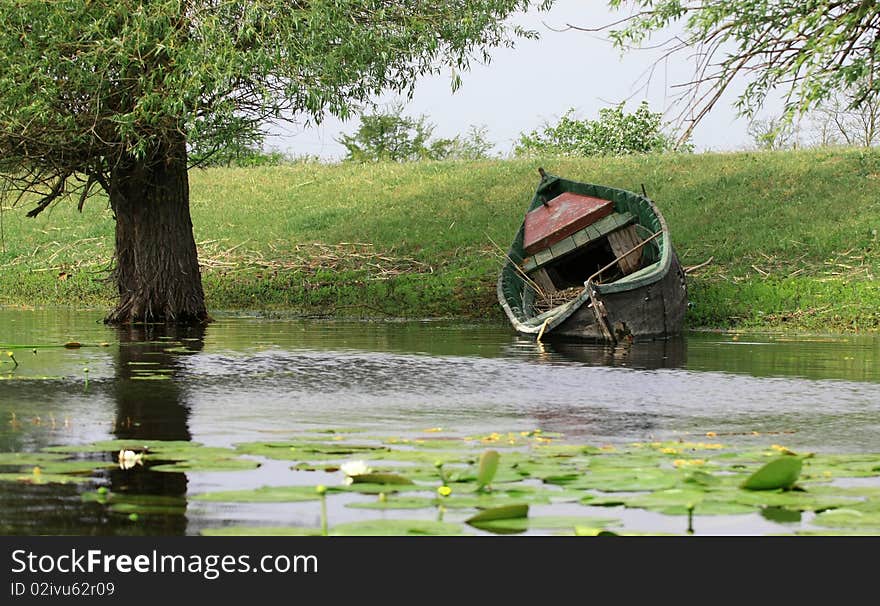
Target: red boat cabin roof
560	217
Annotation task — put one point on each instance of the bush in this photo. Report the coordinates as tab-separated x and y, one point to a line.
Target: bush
391	136
615	133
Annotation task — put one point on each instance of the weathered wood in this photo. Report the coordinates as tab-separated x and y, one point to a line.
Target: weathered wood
543	280
622	240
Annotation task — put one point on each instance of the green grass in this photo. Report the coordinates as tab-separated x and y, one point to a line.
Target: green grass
792	236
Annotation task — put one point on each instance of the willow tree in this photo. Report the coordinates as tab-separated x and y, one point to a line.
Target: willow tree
806	50
114	96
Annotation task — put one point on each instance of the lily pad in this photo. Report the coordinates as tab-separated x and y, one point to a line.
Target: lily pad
396	528
543	523
626	480
782	473
505	512
260	531
380	478
849	518
207	465
396	503
369	488
308	451
29	459
264	494
44	478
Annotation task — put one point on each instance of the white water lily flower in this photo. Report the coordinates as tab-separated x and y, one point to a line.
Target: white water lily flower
353	468
129	458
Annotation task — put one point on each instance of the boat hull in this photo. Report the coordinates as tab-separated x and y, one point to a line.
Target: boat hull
655	311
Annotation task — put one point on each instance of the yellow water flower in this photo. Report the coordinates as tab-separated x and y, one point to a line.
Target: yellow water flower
444	491
688	462
37	471
669	451
433	430
781	449
711	434
320	489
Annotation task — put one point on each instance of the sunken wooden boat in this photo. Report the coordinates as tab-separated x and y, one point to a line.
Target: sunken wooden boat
595	263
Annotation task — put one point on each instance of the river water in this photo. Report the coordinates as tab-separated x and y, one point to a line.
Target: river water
248	378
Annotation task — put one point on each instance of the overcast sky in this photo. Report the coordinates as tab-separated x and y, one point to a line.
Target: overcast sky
537	81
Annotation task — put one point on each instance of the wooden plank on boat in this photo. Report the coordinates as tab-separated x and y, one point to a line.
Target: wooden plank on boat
562	247
543	256
543	280
581	237
623	240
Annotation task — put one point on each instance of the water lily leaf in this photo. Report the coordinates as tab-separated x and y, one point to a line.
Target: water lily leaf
702	478
506	512
512	525
44	478
593	531
430	457
554	471
396	528
849	518
127	503
115	446
370	488
782	473
380	478
148	509
793	499
396	503
29	459
827	467
264	494
207	465
429	443
309	451
781	515
260	531
488	467
54	467
626	480
675	501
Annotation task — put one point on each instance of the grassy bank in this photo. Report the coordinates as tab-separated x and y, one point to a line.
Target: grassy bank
791	238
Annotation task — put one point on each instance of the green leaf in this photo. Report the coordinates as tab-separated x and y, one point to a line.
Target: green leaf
592	531
261	531
265	494
395	528
780	473
380	478
505	512
513	525
488	466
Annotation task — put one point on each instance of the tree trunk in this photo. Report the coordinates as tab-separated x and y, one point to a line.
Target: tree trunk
157	266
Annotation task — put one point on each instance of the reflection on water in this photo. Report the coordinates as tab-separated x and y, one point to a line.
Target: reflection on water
244	379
